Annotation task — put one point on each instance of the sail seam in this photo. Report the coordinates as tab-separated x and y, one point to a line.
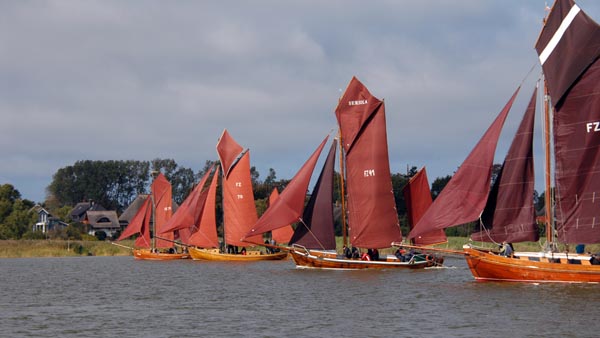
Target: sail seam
559	33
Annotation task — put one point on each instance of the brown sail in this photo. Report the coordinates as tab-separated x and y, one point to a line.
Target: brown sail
188	213
465	196
280	235
316	231
418	199
509	214
372	216
163	200
568	47
206	234
288	207
140	224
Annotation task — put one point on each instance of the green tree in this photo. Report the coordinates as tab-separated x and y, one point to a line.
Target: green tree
438	185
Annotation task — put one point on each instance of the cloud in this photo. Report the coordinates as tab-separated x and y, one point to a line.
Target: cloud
138	80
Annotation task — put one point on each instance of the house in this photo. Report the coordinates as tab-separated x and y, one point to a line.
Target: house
131	210
102	220
46	222
78	212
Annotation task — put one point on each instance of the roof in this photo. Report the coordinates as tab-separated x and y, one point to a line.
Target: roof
103	219
132	209
80	209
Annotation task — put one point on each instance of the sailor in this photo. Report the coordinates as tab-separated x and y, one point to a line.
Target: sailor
506	249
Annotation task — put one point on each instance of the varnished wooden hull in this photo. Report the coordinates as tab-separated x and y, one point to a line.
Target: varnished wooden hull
146	254
309	259
492	267
215	255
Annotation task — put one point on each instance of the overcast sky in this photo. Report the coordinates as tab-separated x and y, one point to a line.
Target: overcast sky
118	80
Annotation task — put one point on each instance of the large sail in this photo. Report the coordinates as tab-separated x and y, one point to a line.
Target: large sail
316	231
206	234
372	215
163	200
418	199
283	234
188	213
140	224
509	214
239	210
288	207
465	196
568	47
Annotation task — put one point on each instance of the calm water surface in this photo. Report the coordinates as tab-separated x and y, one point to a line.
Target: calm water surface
122	297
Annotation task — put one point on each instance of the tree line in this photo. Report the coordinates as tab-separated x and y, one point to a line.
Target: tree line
115	184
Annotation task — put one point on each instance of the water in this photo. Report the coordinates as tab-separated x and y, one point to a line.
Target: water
122	297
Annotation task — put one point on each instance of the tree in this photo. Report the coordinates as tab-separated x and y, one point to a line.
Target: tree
16	217
438	185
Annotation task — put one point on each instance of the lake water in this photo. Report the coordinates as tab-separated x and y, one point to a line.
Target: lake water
122	297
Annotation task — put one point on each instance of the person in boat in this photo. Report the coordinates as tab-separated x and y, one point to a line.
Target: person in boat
355	253
365	256
506	249
243	252
400	254
269	249
375	254
595	259
346	251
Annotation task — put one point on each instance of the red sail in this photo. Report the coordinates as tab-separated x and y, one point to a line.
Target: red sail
568	44
189	211
163	200
288	207
509	214
140	224
569	47
206	235
465	196
229	151
316	231
372	216
280	235
239	211
418	199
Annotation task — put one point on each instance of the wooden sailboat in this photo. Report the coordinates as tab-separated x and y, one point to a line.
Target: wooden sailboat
372	214
568	51
239	211
152	217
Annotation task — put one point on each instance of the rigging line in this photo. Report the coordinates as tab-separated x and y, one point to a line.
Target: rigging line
312	234
487	232
535	64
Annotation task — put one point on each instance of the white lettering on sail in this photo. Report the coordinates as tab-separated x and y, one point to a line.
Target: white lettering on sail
240	197
357	102
167	208
238	184
593	126
369	173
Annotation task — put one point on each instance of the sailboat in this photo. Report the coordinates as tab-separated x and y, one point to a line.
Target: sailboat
149	220
568	52
371	207
239	211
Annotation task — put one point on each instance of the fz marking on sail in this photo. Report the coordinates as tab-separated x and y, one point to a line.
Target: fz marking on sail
369	173
593	126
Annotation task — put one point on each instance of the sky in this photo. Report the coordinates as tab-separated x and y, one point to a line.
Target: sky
139	80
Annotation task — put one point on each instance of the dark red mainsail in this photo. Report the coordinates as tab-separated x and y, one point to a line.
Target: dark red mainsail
568	47
372	216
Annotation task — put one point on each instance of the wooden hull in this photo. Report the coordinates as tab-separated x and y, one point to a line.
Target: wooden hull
215	255
146	254
311	259
489	266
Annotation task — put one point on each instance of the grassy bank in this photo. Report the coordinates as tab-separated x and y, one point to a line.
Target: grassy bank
60	248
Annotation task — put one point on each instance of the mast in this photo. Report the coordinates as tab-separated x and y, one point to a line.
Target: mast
548	194
154	174
342	192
